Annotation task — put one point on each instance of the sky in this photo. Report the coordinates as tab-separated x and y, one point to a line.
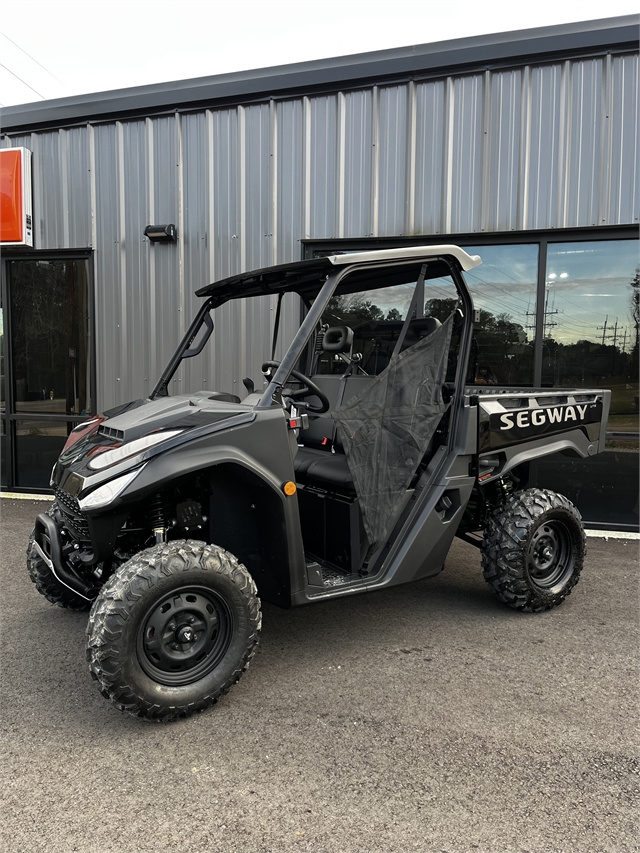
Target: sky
59	48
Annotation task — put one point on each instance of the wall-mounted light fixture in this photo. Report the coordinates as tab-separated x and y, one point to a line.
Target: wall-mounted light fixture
160	233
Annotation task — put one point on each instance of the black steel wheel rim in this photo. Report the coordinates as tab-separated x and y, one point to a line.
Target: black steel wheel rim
184	635
550	555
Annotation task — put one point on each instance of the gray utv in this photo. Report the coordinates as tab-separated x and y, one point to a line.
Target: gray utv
371	445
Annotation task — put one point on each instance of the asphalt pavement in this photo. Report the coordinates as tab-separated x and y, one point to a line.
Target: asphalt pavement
424	718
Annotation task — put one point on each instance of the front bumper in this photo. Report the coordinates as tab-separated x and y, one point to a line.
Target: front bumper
47	544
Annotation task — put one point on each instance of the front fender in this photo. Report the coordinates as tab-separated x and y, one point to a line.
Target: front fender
232	473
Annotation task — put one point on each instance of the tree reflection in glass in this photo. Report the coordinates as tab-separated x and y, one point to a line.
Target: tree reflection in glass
504	290
50	336
591	322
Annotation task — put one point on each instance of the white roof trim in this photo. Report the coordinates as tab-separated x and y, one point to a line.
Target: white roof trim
466	261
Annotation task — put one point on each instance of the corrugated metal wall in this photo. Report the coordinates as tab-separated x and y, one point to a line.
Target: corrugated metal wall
547	146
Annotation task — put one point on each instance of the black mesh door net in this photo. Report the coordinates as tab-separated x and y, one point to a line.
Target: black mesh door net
387	428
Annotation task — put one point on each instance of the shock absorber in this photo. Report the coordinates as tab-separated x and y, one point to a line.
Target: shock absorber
156	516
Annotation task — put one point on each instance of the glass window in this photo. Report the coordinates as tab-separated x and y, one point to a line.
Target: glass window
503	288
50	336
4	454
591	323
591	340
377	316
604	487
38	445
440	297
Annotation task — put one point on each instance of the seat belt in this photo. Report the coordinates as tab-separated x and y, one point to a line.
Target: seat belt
343	387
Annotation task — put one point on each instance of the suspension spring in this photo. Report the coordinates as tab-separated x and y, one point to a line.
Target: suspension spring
156	517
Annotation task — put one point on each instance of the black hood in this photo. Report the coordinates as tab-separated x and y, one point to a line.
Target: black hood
142	417
185	412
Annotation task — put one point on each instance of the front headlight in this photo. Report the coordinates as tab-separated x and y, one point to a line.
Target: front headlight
132	448
103	495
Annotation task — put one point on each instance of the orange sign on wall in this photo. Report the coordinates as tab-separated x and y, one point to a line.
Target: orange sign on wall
15	197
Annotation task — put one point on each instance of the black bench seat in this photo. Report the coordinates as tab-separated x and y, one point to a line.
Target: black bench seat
323	469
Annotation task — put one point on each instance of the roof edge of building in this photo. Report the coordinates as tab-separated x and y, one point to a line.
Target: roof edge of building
333	73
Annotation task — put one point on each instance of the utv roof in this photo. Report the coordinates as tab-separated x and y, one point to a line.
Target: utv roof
307	276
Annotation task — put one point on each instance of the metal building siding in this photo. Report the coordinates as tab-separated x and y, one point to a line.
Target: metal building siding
109	281
390	164
621	201
131	142
255	189
226	226
430	146
502	153
48	193
322	163
289	179
546	134
543	146
583	153
358	163
465	148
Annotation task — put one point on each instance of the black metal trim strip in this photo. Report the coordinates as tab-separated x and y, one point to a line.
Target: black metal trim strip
47	416
470	238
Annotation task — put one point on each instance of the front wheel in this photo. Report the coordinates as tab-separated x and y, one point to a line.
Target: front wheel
533	550
173	629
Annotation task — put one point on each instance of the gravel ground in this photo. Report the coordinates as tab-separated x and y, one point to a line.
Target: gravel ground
424	718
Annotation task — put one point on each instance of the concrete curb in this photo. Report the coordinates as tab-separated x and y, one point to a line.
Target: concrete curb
21	496
612	534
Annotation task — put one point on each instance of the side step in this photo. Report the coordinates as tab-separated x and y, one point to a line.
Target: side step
327	576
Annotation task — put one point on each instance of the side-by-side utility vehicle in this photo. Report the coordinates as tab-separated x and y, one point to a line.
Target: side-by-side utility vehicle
376	438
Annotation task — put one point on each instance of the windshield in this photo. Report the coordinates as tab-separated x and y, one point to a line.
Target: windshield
217	360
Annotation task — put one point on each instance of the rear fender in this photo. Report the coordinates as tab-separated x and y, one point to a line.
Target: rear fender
500	462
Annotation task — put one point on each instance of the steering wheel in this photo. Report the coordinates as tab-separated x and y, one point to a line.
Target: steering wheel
309	388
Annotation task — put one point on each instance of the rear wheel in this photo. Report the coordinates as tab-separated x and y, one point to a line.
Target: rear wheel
173	629
533	551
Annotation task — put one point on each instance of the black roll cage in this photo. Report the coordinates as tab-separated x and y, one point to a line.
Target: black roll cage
273	393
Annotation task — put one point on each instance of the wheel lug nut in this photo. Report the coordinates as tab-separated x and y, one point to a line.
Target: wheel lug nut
175	647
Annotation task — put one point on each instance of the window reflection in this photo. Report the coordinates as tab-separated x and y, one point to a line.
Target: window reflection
591	323
4	454
377	316
50	336
503	288
38	445
440	297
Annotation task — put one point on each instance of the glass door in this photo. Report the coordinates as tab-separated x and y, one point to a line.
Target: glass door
48	387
